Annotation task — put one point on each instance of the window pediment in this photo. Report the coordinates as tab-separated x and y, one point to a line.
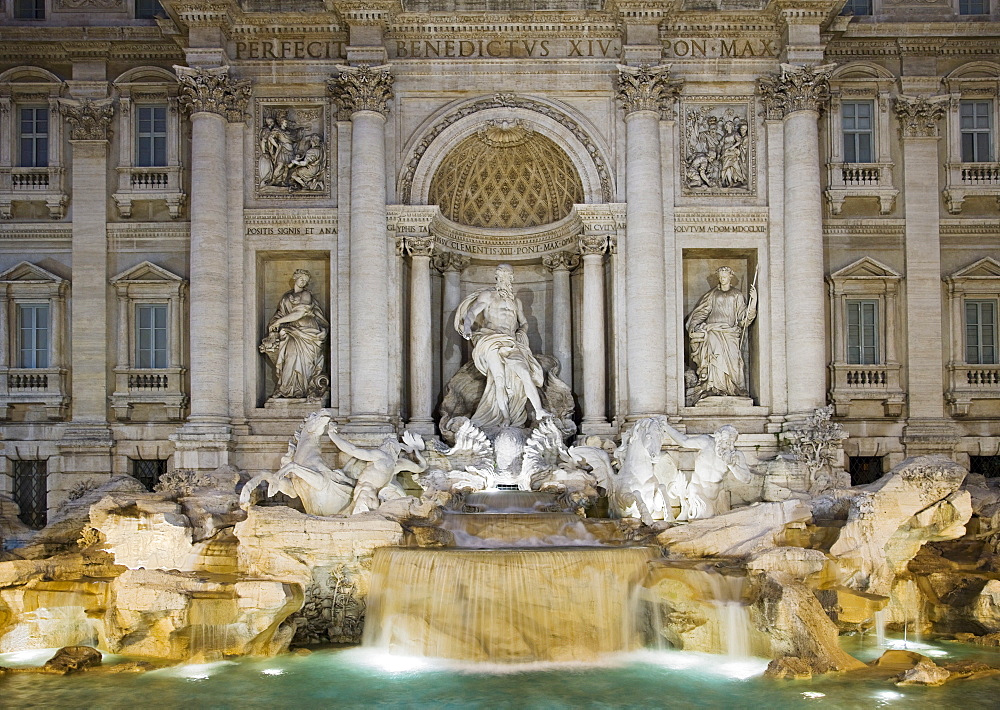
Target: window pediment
146	273
28	273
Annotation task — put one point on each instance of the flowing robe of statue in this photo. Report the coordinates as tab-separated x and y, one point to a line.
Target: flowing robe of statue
298	347
500	351
716	328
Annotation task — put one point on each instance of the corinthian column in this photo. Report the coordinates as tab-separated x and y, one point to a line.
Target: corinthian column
89	123
593	248
364	93
797	96
212	98
644	93
451	266
420	249
560	264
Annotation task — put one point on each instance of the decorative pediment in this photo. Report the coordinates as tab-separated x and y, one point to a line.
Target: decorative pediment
866	268
985	268
146	272
26	272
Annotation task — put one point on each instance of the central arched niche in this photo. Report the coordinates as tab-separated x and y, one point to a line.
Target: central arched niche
506	176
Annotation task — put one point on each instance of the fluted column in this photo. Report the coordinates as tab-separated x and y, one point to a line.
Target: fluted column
451	266
364	93
797	96
420	250
644	92
593	248
560	264
212	98
89	123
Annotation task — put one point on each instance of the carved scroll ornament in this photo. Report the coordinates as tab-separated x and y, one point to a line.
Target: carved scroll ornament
918	115
362	88
213	91
646	88
89	120
796	88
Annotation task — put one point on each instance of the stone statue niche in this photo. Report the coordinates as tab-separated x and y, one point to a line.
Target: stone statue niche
295	345
718	341
504	386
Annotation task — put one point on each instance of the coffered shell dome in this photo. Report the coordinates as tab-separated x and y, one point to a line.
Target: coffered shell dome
506	176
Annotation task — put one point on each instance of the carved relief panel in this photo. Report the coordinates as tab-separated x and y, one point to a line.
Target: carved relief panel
718	146
291	151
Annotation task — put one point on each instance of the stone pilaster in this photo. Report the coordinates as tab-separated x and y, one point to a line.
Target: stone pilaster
644	92
561	264
797	95
420	248
213	99
451	266
595	420
364	93
928	430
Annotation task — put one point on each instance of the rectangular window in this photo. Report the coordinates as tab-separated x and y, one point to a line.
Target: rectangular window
147	9
151	136
865	469
151	336
148	471
973	7
857	8
981	332
34	137
31	492
858	130
33	335
976	122
862	333
29	9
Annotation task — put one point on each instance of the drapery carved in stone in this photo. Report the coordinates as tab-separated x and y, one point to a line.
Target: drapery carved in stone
506	176
362	88
596	244
291	150
213	91
646	88
918	115
561	260
89	120
796	88
450	261
717	147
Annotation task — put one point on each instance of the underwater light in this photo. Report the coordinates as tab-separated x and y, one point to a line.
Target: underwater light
390	663
812	694
272	671
889	695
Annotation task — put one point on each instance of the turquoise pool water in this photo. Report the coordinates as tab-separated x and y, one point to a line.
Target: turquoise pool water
357	678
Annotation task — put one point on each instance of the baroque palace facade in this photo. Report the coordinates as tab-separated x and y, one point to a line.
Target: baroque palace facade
180	181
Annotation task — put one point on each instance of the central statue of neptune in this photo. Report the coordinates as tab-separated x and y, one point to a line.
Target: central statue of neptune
493	320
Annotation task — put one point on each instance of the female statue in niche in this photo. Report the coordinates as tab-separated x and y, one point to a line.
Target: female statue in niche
717	328
296	344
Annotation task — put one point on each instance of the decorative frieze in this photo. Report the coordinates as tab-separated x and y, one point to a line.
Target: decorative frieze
718	147
291	152
646	88
362	88
796	88
88	5
89	120
213	91
918	115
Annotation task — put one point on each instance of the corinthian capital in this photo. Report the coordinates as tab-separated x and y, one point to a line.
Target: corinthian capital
561	260
89	120
796	88
918	115
450	261
646	88
362	88
417	245
213	91
594	244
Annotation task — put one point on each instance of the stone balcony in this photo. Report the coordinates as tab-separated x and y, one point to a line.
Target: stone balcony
969	382
867	382
971	180
45	387
861	180
161	386
144	184
32	185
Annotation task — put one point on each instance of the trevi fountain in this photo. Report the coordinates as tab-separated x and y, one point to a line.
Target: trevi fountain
661	568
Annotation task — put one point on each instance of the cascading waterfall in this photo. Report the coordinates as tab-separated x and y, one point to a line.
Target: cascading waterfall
880	628
505	605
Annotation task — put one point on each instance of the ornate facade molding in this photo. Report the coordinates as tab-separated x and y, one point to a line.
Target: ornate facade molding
416	245
561	260
646	88
594	244
89	120
796	88
362	88
213	91
450	261
919	115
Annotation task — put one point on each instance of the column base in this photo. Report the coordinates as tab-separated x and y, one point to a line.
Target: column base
924	437
424	427
202	446
368	424
596	427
